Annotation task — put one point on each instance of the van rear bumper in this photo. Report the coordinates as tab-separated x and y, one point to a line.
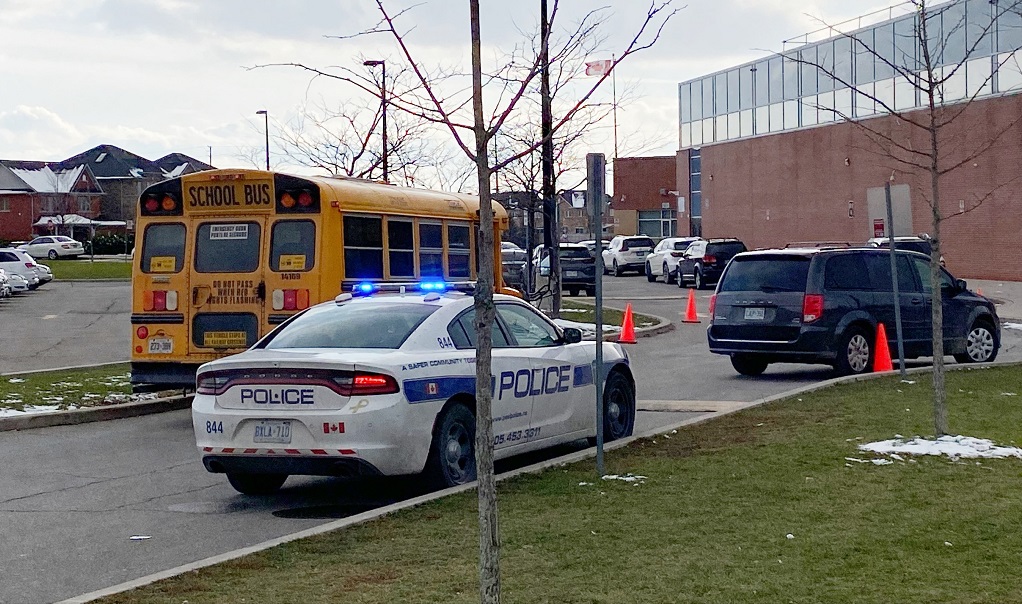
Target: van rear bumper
813	345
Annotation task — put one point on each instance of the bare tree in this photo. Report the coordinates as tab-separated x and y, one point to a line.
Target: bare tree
930	60
439	97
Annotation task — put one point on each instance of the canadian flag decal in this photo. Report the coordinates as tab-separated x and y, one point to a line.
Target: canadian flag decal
337	428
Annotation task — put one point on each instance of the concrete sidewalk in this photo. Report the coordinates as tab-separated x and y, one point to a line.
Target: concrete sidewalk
1007	295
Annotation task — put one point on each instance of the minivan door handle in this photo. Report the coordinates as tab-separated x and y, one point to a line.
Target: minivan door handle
917	300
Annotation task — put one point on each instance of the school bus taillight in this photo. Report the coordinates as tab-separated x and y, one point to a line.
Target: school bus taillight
287	201
159	300
290	299
168	204
305	199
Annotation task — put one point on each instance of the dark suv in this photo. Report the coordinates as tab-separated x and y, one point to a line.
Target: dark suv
704	261
823	306
578	269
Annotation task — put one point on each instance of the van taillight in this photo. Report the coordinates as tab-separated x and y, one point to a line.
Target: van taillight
709	259
713	304
812	308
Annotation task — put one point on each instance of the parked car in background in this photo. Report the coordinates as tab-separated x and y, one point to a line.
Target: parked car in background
627	253
591	246
663	260
17	262
513	263
824	305
6	291
508	246
578	269
915	244
53	247
45	274
18	283
704	261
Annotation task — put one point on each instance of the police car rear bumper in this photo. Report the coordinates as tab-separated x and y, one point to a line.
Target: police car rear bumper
344	467
392	439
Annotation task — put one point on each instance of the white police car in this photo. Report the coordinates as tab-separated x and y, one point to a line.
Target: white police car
385	385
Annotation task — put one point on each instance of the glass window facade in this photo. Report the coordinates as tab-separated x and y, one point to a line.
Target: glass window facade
811	85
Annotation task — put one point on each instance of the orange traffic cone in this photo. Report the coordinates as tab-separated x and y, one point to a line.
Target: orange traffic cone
882	357
690	312
627	327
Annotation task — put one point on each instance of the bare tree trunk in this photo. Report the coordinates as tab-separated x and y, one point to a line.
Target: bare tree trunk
940	421
489	535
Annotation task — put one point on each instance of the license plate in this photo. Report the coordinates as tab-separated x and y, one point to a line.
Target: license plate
272	431
571	273
640	253
224	339
161	345
755	314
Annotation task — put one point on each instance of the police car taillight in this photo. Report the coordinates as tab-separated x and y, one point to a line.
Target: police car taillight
210	383
362	383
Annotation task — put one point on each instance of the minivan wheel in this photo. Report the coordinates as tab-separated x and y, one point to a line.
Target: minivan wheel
981	345
855	354
649	274
748	364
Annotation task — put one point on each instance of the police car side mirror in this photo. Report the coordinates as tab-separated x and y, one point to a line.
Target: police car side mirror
572	335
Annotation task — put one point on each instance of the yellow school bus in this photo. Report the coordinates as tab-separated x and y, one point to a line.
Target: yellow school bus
223	256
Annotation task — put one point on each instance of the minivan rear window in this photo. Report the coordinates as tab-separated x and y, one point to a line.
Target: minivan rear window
766	274
726	249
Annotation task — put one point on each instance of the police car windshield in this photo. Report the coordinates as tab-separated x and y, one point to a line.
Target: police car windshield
352	326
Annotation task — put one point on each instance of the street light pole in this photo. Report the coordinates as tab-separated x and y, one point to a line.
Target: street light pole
266	123
383	103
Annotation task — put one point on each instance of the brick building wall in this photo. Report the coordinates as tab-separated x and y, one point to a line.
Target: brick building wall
642	183
796	186
16	221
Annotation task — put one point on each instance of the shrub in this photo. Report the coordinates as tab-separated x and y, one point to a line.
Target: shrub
110	244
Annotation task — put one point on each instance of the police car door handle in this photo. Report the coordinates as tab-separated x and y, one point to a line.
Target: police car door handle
261	290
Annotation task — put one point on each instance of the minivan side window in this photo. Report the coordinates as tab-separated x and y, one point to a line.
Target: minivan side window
846	272
879	266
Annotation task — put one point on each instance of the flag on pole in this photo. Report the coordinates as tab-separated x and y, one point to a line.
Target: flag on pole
598	68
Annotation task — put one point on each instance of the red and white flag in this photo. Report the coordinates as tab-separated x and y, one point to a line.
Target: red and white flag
598	68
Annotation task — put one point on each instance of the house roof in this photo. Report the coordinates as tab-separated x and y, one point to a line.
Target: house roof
108	161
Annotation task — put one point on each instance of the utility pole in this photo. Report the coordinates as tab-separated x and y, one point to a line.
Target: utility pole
551	233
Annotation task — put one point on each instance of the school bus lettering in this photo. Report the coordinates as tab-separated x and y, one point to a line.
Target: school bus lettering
212	196
233	291
257	195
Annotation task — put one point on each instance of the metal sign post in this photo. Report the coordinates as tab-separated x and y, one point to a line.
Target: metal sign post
596	167
894	279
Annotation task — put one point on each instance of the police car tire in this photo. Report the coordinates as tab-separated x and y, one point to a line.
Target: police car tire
256	484
450	465
618	407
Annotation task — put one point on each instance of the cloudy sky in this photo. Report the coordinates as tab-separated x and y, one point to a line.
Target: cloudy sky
162	76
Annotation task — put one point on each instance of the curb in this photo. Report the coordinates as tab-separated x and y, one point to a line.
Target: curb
95	414
533	469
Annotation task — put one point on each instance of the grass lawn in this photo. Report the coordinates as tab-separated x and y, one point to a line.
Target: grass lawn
89	387
710	523
581	312
83	268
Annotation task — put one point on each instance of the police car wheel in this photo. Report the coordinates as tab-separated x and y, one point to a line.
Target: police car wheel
618	407
256	484
452	458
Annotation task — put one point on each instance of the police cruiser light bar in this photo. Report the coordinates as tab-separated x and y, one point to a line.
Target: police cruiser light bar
367	288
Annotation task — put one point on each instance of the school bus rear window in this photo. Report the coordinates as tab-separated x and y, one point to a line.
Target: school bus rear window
222	247
293	245
163	248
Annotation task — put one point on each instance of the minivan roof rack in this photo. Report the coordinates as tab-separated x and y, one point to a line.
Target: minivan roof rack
821	244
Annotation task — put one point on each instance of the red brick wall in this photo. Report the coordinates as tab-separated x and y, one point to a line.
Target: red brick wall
16	225
796	186
638	181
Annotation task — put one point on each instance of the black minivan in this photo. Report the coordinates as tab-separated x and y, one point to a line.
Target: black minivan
824	305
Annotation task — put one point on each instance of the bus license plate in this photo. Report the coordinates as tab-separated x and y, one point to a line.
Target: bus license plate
224	339
755	314
272	431
161	345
